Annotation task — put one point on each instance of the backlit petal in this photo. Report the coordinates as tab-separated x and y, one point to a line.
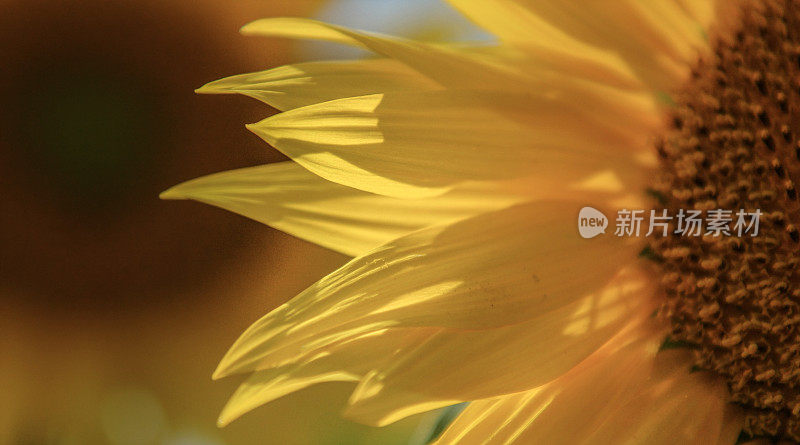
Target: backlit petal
493	270
519	26
650	45
286	196
344	361
413	145
462	365
294	86
626	393
440	63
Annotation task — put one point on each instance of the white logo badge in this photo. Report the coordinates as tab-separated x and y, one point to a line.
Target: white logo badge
591	222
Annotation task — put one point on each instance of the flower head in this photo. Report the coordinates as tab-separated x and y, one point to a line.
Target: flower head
453	175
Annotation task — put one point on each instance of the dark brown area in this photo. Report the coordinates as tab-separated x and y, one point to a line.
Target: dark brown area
734	145
98	117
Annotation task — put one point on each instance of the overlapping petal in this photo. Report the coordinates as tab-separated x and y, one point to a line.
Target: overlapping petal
400	158
344	361
302	84
548	46
626	393
456	365
493	270
657	40
286	196
443	64
407	370
411	145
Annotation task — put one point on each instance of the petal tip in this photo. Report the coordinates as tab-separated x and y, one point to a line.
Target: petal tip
172	193
223	420
231	411
250	28
209	88
261	129
219	373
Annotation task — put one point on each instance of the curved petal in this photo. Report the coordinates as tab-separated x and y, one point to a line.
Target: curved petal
413	144
520	27
658	40
286	196
470	67
440	63
344	361
293	86
492	270
675	408
702	11
626	393
455	366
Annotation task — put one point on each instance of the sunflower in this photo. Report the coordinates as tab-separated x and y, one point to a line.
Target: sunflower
453	174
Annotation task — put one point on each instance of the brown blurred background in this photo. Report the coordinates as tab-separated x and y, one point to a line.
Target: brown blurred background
114	306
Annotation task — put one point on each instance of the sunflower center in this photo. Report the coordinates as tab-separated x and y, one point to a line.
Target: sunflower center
734	145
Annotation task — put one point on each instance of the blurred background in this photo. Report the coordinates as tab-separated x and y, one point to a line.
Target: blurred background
114	306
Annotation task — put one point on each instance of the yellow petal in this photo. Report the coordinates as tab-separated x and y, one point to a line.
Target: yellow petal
679	25
471	68
345	361
563	410
527	259
265	386
294	86
518	26
678	407
411	145
626	393
702	11
286	196
468	66
463	365
627	27
441	63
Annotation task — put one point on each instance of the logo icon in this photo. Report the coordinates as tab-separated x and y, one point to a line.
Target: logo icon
591	222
